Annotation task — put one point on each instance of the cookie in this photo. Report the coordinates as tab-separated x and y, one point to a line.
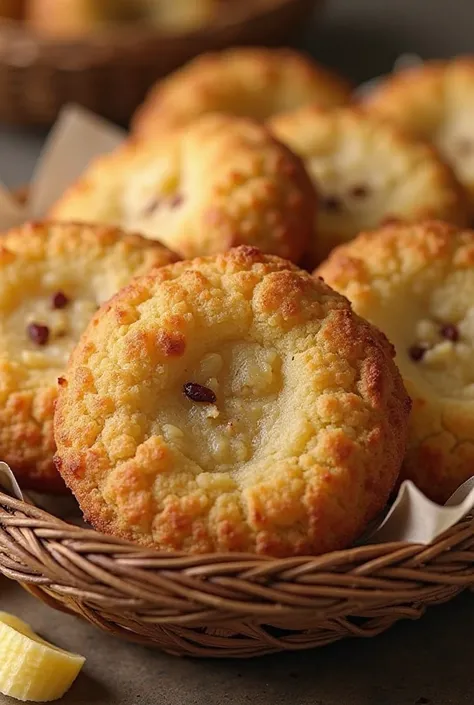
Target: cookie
367	172
435	102
52	278
252	82
240	406
221	182
416	282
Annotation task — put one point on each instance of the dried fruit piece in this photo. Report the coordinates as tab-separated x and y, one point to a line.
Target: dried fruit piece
30	668
450	332
360	191
332	203
60	300
196	392
38	333
417	352
176	200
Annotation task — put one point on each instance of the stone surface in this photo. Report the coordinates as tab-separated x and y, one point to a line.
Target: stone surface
430	659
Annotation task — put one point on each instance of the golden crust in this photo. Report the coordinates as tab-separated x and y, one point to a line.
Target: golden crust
367	172
435	102
416	282
302	446
84	264
221	182
252	82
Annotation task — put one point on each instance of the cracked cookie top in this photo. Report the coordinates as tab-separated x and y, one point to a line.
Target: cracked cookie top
435	102
416	282
250	82
53	278
231	403
367	172
221	182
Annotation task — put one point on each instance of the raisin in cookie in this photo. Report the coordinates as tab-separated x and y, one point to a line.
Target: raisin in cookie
221	182
52	279
435	102
416	282
240	406
367	172
251	82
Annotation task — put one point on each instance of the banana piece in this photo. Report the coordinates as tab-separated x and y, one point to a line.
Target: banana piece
30	668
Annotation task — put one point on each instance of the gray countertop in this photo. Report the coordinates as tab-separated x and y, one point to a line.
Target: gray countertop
430	661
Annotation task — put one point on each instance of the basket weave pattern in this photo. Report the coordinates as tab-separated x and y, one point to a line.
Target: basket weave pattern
110	73
228	604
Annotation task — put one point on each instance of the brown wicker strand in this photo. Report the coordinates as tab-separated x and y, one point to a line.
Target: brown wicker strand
229	604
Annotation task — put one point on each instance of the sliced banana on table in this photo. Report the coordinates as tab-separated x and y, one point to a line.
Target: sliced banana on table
30	668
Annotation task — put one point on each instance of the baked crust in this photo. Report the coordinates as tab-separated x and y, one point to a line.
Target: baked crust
367	171
416	282
252	82
52	277
221	182
301	439
435	102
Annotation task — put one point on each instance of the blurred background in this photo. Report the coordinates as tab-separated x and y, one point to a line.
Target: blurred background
105	53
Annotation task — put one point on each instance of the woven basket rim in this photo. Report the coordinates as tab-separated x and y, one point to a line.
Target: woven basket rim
109	35
222	605
350	554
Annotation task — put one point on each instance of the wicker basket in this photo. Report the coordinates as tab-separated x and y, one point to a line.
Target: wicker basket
110	72
228	605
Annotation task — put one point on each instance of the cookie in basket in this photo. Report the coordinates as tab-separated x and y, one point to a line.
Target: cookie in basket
220	182
435	102
367	172
52	279
416	282
254	82
240	406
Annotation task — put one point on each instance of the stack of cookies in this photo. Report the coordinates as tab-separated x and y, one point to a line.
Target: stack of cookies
241	371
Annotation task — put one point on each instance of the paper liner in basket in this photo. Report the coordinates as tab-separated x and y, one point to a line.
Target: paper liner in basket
77	138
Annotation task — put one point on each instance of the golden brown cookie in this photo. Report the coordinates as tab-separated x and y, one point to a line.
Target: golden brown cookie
52	279
240	405
252	82
221	182
367	172
435	102
416	282
77	18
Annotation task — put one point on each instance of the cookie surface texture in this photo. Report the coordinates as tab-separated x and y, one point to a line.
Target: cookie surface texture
231	403
219	183
435	102
367	172
416	283
52	279
253	82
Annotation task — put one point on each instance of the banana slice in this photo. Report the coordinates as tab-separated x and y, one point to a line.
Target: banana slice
30	668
